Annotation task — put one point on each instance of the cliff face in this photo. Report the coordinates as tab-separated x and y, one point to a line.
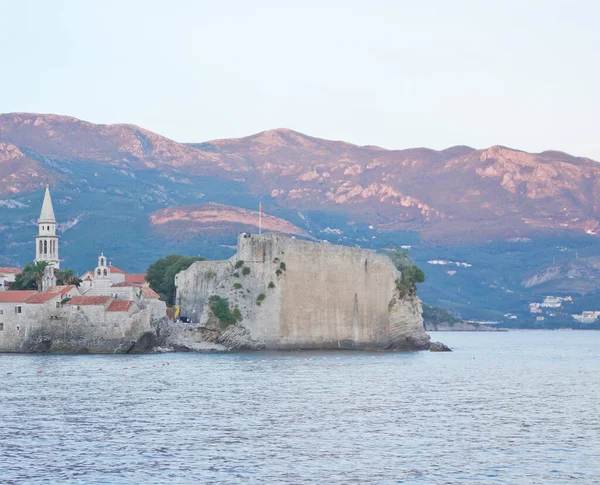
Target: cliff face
295	294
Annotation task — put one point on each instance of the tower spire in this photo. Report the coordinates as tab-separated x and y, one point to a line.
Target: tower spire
47	214
46	242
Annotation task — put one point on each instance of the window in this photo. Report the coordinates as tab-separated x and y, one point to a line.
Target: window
58	304
99	271
1	326
41	247
45	247
1	312
18	309
18	328
105	272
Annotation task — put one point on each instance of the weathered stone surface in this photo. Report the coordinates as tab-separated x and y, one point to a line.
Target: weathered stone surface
72	331
296	294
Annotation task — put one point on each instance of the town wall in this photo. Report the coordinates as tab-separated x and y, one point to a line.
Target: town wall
316	295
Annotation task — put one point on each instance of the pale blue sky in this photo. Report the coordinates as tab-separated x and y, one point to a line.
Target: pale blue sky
398	74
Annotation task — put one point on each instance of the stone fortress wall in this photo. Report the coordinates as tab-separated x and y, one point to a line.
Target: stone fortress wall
316	295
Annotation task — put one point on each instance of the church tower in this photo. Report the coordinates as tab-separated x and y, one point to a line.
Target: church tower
46	242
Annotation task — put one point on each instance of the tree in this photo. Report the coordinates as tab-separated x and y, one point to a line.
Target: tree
411	274
161	274
33	273
38	268
67	277
25	280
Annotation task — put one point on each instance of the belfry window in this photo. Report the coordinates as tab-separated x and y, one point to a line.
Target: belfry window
99	271
41	247
45	247
105	272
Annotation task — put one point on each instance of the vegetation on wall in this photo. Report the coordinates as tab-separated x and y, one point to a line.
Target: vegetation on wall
411	274
161	274
220	308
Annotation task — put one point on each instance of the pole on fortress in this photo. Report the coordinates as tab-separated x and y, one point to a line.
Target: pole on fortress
260	217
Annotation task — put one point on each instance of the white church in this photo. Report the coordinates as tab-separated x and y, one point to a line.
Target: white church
102	281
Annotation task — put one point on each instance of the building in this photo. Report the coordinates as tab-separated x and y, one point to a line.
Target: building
46	242
7	276
587	317
109	308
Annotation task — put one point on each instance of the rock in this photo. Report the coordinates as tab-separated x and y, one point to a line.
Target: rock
146	342
43	346
125	347
439	347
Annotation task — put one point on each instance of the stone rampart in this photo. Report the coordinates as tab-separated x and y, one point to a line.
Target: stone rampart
301	294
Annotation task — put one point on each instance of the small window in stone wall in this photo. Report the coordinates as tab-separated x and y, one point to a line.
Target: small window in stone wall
18	309
58	304
18	328
1	312
1	326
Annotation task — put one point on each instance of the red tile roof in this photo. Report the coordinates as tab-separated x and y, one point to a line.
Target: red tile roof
123	284
135	278
89	300
44	296
149	292
120	306
18	296
115	270
5	270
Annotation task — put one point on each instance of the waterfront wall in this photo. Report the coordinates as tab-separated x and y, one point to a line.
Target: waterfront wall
316	296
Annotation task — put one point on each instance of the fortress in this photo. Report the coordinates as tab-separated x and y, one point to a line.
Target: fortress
293	294
109	311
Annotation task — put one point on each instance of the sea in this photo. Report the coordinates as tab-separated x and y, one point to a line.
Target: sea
519	407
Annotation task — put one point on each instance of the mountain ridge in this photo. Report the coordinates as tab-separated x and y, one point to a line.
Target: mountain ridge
508	213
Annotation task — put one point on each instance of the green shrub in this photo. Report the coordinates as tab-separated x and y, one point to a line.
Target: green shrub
237	286
261	297
278	272
271	285
236	274
220	308
246	271
237	314
239	264
282	266
411	274
210	274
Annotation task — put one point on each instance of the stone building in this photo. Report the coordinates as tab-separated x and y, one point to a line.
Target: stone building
109	310
7	276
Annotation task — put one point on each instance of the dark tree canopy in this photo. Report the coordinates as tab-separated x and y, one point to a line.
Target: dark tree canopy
411	273
161	274
31	277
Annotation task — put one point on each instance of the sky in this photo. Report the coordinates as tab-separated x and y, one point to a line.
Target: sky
397	74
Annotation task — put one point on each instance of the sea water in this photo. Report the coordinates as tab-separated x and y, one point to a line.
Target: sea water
520	407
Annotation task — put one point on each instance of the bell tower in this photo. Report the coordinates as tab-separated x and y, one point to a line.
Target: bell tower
46	242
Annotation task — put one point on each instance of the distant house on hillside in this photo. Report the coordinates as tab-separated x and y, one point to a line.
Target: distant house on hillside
8	275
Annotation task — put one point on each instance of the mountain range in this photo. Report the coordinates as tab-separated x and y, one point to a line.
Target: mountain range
507	214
